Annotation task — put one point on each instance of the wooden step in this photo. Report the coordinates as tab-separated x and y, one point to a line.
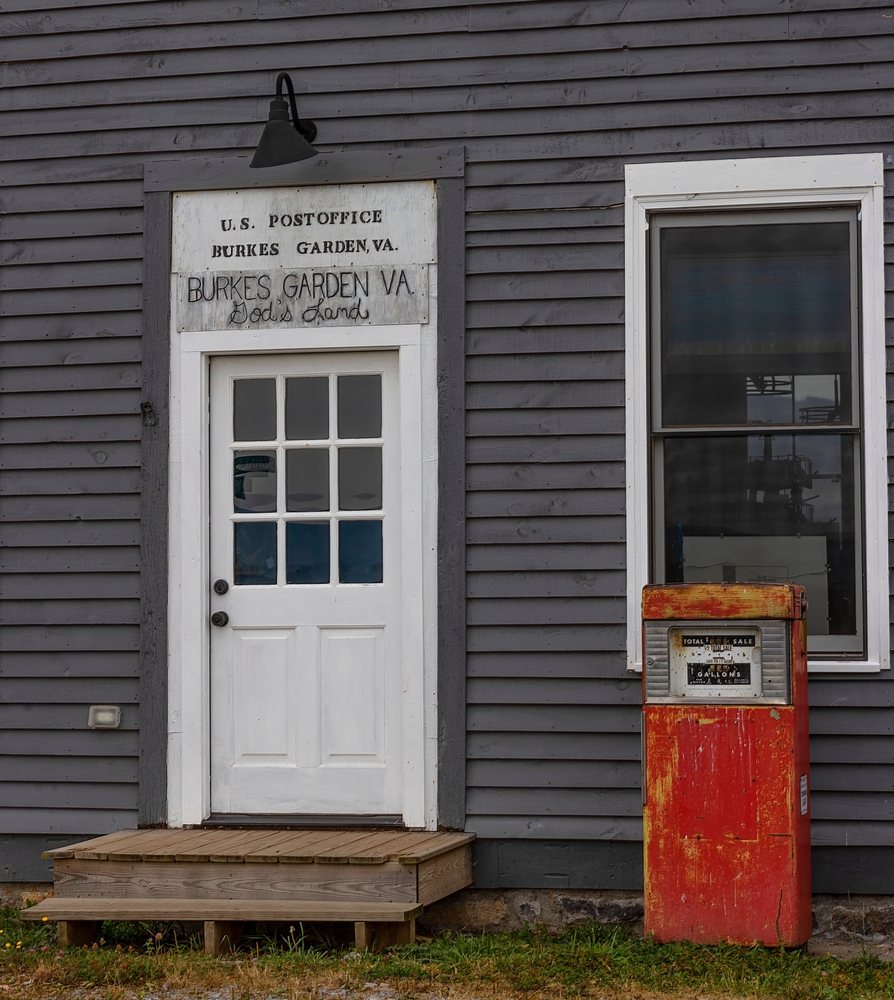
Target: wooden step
376	925
106	908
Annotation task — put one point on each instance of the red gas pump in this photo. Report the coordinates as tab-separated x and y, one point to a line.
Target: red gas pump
726	763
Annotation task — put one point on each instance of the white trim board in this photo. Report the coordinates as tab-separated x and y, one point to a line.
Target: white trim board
189	764
770	182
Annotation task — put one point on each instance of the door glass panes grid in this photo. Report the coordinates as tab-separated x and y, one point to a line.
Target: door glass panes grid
307	480
756	408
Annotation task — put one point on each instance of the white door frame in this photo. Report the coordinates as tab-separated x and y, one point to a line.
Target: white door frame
189	737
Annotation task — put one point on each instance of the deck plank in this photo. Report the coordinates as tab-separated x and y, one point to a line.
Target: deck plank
217	909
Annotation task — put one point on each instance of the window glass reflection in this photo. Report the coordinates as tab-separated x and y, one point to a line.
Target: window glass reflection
360	478
255	553
359	406
307	479
360	552
307	408
307	552
254	482
254	409
756	324
767	508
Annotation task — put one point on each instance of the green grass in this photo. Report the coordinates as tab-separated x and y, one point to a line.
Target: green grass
594	961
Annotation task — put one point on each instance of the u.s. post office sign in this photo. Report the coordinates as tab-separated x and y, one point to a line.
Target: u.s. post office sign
327	255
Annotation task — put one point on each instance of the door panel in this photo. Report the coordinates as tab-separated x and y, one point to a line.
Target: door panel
305	532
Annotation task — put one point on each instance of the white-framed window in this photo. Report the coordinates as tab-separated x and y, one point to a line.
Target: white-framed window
755	374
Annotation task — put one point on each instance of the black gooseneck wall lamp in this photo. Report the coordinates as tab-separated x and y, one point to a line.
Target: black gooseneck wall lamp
283	141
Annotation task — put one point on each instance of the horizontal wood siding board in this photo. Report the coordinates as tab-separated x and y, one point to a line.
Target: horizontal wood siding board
67	743
87	794
585	664
68	664
557	864
95	770
68	690
71	820
20	856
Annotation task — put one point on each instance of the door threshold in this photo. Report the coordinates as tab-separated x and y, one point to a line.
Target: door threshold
299	820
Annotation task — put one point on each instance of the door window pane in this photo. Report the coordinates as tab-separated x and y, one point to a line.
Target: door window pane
769	508
307	408
254	409
254	482
756	324
307	552
307	479
359	406
360	478
360	552
255	553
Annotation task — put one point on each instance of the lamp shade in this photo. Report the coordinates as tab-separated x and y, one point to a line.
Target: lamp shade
281	142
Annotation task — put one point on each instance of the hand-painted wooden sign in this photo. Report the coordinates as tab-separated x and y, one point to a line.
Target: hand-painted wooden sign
331	255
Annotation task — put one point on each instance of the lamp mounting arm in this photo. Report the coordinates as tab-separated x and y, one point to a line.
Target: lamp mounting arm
306	128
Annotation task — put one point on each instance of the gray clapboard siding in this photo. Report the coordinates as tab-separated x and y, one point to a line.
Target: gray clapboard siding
87	248
548	448
49	326
601	337
67	795
539	503
68	481
564	93
68	743
564	774
509	395
65	690
45	198
532	530
68	820
512	423
65	221
74	455
103	506
552	691
852	778
544	610
583	583
564	476
91	428
64	404
587	664
79	559
99	770
493	827
30	663
70	275
535	746
573	802
86	637
551	637
554	718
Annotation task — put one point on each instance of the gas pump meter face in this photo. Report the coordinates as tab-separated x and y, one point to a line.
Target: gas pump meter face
715	662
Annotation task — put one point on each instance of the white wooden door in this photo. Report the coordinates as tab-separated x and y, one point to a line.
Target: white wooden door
306	537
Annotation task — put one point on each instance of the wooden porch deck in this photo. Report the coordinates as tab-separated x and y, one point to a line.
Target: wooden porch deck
379	880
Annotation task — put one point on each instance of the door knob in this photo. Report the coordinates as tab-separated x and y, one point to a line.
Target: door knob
221	586
220	618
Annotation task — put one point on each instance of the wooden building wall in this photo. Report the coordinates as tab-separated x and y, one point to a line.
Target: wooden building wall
550	99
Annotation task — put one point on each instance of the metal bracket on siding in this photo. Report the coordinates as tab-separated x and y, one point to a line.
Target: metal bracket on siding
150	417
